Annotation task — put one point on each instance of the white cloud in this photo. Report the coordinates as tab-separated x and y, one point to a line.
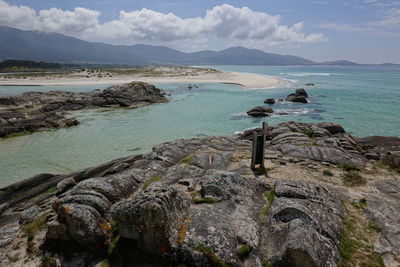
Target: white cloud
391	19
224	23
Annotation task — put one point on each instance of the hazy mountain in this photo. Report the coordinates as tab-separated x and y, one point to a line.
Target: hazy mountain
54	47
350	63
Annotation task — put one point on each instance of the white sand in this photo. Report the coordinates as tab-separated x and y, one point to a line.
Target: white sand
250	80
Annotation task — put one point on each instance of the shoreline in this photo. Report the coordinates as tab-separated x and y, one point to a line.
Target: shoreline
249	80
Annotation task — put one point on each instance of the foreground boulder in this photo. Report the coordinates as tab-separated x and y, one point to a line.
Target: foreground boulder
304	224
33	111
260	111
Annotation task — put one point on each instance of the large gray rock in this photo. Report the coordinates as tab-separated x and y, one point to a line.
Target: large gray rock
322	154
303	225
83	210
385	212
151	216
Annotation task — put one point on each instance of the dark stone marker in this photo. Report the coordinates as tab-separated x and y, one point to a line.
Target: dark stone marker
258	150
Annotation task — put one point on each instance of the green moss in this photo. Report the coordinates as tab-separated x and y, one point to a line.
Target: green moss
14	258
373	227
267	263
23	133
187	160
327	173
204	200
150	181
360	205
310	133
50	191
269	197
34	226
48	260
210	254
113	245
356	243
353	178
243	251
348	167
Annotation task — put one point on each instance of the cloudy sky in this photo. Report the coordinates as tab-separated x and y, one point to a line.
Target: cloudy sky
365	31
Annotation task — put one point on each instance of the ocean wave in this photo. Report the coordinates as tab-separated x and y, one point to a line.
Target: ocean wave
308	74
291	112
277	112
247	129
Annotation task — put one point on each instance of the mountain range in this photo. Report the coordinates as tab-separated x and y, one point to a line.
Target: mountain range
55	47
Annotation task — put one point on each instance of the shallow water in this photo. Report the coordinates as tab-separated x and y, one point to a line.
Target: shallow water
364	100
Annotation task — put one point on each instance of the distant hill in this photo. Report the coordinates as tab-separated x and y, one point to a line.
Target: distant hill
349	63
54	47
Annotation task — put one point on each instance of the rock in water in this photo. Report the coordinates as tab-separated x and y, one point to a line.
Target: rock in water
37	110
301	91
260	111
269	101
299	96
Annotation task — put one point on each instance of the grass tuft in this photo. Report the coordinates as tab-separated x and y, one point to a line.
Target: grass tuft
348	167
327	173
269	197
353	178
212	257
187	160
150	181
243	251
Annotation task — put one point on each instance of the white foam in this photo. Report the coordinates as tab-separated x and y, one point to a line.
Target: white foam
308	74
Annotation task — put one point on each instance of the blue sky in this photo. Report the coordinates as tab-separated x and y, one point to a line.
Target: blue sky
365	31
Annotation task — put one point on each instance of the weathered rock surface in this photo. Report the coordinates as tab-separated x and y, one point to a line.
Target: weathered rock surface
260	111
33	111
385	212
324	142
196	202
303	225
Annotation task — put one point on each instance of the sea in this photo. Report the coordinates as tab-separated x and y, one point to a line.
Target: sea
365	100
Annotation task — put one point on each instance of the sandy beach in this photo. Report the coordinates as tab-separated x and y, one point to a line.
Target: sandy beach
249	80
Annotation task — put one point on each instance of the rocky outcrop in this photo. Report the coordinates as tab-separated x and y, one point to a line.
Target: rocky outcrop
33	111
324	142
260	111
196	202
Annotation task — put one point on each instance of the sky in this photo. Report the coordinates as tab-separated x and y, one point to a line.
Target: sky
363	31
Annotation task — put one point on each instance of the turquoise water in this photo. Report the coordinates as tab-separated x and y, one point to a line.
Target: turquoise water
365	100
